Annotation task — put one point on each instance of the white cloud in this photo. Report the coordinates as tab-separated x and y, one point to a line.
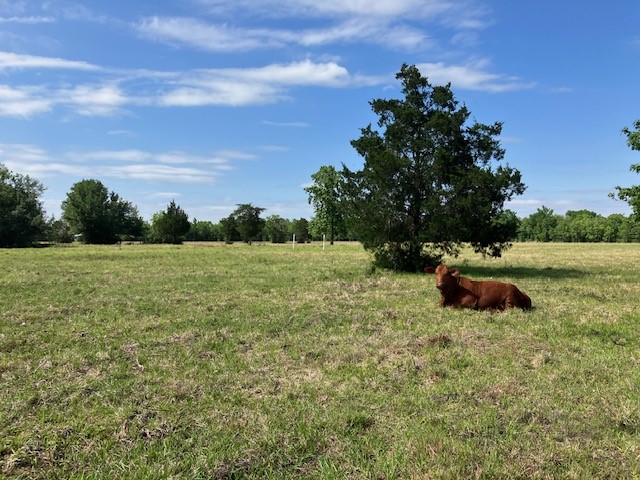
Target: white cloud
165	195
220	92
273	148
254	86
160	173
110	155
287	124
9	60
199	34
93	100
122	133
472	76
23	153
334	8
27	20
119	88
224	38
23	102
170	167
235	155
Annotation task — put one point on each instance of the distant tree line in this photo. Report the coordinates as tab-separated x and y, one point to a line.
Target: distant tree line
93	214
578	226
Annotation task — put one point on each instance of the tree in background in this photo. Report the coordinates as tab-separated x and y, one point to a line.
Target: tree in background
427	185
539	226
300	228
58	231
22	218
248	222
631	195
578	226
325	198
99	216
276	229
203	231
229	229
171	225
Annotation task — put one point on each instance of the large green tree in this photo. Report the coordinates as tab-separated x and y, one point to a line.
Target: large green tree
100	216
247	221
631	195
325	198
171	225
276	229
300	228
429	183
22	218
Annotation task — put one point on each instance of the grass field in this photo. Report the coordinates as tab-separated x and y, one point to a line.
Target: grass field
214	361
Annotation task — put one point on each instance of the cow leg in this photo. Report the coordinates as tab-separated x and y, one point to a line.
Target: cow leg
469	301
512	299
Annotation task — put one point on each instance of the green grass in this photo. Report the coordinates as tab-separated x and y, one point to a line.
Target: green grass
213	361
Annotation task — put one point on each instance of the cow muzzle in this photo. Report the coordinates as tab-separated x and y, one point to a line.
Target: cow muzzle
440	285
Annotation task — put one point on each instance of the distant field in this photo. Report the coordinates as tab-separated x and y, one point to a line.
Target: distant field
214	361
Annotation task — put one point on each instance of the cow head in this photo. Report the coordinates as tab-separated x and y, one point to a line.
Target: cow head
446	278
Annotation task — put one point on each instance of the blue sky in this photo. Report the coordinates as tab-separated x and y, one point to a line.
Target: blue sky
214	103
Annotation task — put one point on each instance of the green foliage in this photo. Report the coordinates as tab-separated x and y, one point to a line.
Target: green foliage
99	216
248	223
22	219
203	231
633	137
539	226
59	231
578	226
276	229
171	225
631	195
300	227
428	184
229	229
325	198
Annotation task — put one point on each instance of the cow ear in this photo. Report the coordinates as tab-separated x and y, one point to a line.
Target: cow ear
454	272
429	270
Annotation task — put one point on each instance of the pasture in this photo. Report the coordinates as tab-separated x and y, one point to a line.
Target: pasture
215	361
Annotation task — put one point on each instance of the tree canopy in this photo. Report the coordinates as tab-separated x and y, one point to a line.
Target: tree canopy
22	218
100	216
631	195
325	198
245	222
428	183
171	225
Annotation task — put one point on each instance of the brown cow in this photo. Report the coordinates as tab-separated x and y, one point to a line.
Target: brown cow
458	291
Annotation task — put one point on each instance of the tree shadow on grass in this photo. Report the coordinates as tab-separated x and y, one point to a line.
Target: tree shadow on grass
497	272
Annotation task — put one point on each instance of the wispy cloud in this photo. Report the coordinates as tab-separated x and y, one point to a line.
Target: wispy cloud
191	32
255	86
114	90
91	100
334	8
473	76
10	60
122	133
29	20
105	91
287	124
169	167
197	33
